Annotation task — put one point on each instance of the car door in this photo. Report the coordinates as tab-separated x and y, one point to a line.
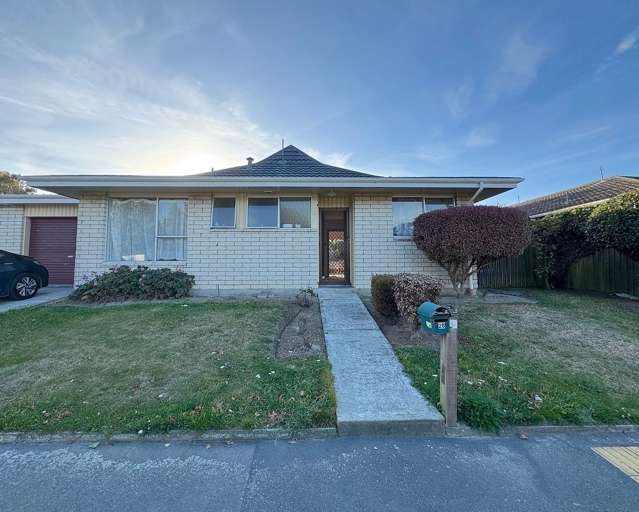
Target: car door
7	272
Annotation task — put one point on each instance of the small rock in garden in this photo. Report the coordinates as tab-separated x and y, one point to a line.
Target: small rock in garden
93	446
523	436
140	432
258	376
208	446
501	362
166	445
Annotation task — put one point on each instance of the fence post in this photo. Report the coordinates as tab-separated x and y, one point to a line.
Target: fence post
448	374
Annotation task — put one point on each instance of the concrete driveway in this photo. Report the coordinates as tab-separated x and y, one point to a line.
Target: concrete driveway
546	473
48	294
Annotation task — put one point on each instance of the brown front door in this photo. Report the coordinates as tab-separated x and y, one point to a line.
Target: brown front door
52	242
334	246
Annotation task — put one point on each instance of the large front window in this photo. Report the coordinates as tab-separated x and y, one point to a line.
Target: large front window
147	230
407	209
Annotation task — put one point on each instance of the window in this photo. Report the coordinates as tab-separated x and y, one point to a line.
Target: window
171	238
295	212
262	212
146	229
223	215
407	209
285	212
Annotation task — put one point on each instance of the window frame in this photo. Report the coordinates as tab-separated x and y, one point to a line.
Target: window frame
109	257
234	226
279	215
422	199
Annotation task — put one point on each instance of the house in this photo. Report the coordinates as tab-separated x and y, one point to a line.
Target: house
42	226
288	221
584	195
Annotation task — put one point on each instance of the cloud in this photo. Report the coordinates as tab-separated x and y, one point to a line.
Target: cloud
628	42
436	154
518	67
98	107
481	137
582	133
458	100
336	158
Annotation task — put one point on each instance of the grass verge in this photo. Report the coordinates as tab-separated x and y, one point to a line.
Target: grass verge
569	359
155	367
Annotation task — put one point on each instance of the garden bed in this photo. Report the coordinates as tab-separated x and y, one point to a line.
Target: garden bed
185	364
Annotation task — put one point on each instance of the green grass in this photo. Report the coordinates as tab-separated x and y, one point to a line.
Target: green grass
155	367
570	359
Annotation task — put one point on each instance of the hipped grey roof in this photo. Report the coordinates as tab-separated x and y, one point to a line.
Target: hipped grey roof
289	162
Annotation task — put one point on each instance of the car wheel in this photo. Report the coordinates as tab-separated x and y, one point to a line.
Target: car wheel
24	286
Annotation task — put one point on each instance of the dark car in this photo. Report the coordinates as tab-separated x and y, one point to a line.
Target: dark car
21	276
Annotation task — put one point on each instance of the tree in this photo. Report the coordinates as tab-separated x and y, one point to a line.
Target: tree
12	184
465	238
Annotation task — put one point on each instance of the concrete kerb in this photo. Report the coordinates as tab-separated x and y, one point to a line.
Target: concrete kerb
169	437
291	435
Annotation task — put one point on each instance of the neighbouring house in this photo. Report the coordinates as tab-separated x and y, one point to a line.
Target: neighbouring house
42	226
584	195
288	221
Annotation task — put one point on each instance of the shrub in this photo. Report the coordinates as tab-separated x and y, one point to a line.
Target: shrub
411	290
465	238
383	295
560	239
125	283
615	223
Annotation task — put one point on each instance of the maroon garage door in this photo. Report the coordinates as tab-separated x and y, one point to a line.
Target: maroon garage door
52	242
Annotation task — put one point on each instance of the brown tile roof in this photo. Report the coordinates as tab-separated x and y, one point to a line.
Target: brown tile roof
583	194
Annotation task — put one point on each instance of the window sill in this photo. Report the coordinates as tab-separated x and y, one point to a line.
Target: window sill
403	238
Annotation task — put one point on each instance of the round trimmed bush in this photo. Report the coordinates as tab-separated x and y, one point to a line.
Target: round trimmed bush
465	238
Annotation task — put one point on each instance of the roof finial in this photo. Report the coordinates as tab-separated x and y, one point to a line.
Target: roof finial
601	171
282	144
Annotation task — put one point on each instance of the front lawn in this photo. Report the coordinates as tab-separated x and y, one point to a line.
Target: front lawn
569	359
155	367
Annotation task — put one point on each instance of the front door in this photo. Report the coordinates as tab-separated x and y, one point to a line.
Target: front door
334	245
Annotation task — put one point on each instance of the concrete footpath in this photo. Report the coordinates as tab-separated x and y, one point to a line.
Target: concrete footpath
374	395
546	473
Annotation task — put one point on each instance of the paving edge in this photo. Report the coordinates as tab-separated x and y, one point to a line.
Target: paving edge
517	430
175	436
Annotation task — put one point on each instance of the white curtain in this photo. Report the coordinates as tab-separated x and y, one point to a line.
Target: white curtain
171	226
132	229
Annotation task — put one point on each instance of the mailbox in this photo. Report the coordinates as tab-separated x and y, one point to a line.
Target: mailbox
434	318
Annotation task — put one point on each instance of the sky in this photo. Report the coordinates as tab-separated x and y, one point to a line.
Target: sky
545	90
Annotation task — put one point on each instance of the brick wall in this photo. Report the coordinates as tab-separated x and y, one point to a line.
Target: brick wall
225	258
263	258
11	228
376	251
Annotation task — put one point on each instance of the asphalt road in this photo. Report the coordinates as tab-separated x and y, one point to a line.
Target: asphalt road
544	473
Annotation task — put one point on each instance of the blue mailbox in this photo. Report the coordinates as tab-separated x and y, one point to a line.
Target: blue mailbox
434	318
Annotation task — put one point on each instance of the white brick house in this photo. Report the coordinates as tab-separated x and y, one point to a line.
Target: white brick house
287	221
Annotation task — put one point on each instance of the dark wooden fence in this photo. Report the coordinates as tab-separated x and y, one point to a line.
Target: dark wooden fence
515	272
605	271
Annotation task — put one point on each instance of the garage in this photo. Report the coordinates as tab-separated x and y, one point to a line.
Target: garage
52	242
42	226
